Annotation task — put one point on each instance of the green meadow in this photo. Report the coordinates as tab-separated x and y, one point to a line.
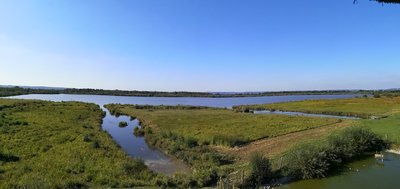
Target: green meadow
61	145
359	107
386	110
220	126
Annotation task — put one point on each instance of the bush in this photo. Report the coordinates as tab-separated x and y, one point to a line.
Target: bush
191	142
123	124
312	161
96	144
86	138
134	167
308	162
261	170
183	181
138	131
205	177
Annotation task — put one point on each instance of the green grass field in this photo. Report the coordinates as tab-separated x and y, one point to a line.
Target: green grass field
388	128
209	125
388	108
360	107
61	145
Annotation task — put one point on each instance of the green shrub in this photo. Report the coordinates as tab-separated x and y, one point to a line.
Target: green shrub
134	167
261	170
86	138
191	142
123	124
138	131
309	161
96	144
317	161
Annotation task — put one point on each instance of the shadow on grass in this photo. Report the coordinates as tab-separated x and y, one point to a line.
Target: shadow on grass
8	158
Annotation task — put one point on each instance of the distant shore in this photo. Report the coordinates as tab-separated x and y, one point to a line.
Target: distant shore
13	91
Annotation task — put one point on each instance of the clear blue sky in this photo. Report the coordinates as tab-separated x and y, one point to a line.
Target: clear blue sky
200	45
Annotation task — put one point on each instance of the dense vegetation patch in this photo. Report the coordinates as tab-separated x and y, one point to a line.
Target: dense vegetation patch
123	124
261	171
218	126
61	145
318	160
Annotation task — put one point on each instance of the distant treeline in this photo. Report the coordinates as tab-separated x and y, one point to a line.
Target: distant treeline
388	1
382	1
12	91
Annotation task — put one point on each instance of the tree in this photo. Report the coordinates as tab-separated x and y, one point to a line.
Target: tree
382	1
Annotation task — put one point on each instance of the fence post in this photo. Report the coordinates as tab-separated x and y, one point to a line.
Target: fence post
242	177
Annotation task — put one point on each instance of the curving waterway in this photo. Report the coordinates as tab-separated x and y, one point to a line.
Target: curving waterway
137	146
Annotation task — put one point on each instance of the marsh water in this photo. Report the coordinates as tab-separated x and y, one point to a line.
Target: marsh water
301	114
137	146
368	173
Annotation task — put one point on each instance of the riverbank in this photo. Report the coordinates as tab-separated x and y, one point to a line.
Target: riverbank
393	151
366	173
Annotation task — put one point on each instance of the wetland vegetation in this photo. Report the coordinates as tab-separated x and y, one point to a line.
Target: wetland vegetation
180	130
214	142
61	145
218	126
356	107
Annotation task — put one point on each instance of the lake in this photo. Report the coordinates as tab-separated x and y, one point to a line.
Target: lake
137	146
193	101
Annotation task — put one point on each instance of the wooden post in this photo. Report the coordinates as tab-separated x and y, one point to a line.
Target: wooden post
242	177
220	183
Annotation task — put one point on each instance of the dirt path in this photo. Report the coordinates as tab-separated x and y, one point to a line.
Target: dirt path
277	145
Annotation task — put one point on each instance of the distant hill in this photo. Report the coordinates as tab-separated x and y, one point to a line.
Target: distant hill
33	87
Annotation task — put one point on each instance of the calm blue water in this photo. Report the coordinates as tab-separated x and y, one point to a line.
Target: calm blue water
302	114
137	146
194	101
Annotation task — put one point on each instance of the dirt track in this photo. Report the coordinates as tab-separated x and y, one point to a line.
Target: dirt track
277	145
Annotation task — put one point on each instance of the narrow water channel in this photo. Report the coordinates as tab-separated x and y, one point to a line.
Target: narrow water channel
302	114
136	146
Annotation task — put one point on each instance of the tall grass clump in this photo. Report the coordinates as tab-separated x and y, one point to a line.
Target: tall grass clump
261	171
